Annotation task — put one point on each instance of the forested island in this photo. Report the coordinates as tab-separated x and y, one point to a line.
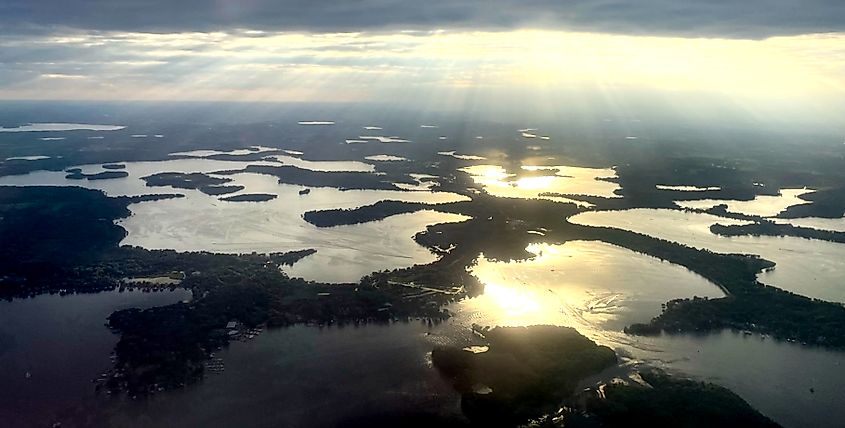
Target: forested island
105	175
769	228
343	180
524	373
250	197
528	375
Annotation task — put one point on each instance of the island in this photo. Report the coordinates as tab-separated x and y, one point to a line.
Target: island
77	174
250	197
770	228
180	180
289	174
218	190
524	372
661	400
528	376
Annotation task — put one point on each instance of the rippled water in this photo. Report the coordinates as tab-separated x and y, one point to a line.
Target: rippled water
585	283
597	288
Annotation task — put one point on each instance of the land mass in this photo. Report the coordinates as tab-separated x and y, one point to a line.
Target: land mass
105	175
524	375
220	190
250	197
769	228
73	247
826	203
288	174
663	400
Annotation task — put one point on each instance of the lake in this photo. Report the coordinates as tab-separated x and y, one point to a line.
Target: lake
589	284
61	341
545	182
199	222
809	267
42	127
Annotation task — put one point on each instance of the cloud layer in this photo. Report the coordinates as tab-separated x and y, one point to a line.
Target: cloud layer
370	66
689	18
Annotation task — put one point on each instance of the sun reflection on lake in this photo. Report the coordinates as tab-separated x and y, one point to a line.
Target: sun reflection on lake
586	284
514	304
557	181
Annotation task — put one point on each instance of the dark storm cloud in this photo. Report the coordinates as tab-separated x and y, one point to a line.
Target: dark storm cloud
706	18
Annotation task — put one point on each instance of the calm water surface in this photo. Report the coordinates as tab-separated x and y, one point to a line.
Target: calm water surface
307	377
809	267
61	341
762	205
498	181
832	224
200	222
38	127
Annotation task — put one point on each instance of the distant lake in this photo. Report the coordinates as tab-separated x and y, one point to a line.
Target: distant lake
545	182
40	127
28	158
762	205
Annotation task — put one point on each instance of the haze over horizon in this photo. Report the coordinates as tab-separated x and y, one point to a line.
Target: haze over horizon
768	59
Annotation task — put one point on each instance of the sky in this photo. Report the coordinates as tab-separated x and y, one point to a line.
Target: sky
761	55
